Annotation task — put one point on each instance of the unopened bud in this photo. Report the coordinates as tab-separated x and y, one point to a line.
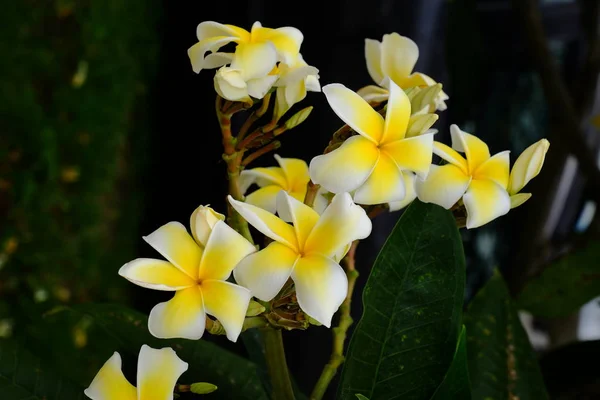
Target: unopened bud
202	388
254	309
298	118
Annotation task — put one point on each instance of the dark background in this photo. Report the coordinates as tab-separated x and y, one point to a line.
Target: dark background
143	135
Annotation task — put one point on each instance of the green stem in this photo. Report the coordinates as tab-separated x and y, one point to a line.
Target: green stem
276	364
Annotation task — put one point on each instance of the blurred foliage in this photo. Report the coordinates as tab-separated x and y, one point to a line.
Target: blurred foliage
502	364
565	285
73	117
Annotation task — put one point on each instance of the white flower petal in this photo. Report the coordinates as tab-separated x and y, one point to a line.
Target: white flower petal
302	216
399	55
155	274
259	87
373	57
517	199
110	383
158	372
444	185
528	165
411	194
230	84
228	303
202	222
413	154
266	271
321	287
485	201
255	59
373	94
181	317
397	115
265	198
385	183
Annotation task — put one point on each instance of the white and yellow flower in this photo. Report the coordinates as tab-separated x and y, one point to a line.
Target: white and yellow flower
251	46
305	251
197	271
370	164
157	374
528	166
294	81
291	176
480	180
395	58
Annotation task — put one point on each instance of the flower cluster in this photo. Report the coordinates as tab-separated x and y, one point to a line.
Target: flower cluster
309	214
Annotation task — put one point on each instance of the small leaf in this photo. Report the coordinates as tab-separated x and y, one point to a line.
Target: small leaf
23	377
202	388
361	397
406	338
502	364
565	285
298	118
254	309
456	384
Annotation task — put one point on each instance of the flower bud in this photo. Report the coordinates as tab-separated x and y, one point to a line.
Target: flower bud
254	309
202	221
202	388
419	124
298	118
230	85
528	166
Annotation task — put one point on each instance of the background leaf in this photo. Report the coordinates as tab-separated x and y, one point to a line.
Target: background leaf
565	285
406	338
24	377
85	336
502	364
456	383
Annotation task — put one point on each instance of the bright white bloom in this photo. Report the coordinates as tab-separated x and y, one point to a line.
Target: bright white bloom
157	374
291	176
371	164
197	271
528	166
251	46
480	180
305	251
395	58
294	81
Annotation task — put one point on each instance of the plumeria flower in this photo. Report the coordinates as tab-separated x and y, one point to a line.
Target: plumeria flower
294	81
395	58
251	46
157	374
304	251
247	77
528	166
196	270
291	176
370	164
410	196
480	180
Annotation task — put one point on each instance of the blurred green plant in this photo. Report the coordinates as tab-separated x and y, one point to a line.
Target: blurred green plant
73	119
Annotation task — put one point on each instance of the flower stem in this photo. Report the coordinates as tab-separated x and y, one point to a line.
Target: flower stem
233	159
276	364
339	332
311	193
260	152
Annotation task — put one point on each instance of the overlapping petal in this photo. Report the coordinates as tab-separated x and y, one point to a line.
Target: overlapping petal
444	185
202	221
266	223
265	198
385	183
528	165
475	149
397	115
174	243
495	169
413	154
409	187
181	317
110	383
450	155
321	286
287	40
295	172
347	167
224	250
373	57
157	374
228	303
255	59
341	223
485	201
155	274
355	111
262	177
373	94
299	214
266	271
399	55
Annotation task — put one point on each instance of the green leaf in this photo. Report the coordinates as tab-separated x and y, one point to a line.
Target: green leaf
116	328
502	364
456	384
361	397
565	285
406	338
24	377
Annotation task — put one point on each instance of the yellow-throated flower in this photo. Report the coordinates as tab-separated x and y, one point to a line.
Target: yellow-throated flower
395	58
196	270
294	81
291	176
252	46
370	164
157	374
528	166
480	180
305	251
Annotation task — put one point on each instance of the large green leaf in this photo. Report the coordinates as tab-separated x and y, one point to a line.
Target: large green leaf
456	383
502	364
108	328
406	338
565	285
24	377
